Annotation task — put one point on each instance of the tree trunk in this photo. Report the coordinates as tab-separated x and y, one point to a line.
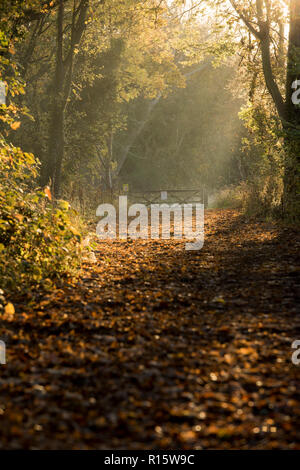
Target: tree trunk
292	117
51	170
288	113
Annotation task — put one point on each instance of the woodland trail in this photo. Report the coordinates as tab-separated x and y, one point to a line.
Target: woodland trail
160	348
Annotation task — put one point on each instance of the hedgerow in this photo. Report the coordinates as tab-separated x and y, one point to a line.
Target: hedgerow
38	244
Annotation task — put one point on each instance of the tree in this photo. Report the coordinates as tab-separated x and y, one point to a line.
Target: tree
62	80
261	19
80	89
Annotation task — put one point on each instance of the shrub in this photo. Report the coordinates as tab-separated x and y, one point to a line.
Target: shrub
229	198
264	156
38	244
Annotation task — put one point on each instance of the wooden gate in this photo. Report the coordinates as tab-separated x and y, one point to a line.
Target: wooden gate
169	196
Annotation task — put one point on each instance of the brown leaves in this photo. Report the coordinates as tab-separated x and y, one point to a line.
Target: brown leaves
153	349
9	311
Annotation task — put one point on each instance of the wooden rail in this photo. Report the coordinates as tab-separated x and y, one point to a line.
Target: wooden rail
169	196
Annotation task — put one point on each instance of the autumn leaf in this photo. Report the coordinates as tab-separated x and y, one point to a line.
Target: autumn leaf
48	193
15	125
9	309
20	217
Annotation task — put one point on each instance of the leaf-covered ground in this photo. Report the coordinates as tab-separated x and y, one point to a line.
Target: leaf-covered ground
157	347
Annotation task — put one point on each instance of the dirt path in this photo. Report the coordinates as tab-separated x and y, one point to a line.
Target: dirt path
157	347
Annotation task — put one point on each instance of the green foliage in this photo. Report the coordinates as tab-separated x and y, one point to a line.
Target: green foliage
231	197
38	244
130	50
135	109
187	142
264	158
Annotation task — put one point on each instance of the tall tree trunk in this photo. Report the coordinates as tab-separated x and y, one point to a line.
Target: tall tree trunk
52	168
51	171
292	128
288	113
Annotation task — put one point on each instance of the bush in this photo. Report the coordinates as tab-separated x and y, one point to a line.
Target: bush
38	244
229	198
263	197
264	156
